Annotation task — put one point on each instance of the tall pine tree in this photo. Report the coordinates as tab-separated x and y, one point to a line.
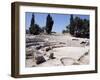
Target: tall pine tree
32	24
49	24
71	25
34	28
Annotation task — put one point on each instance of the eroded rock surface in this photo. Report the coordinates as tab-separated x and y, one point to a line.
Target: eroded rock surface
56	50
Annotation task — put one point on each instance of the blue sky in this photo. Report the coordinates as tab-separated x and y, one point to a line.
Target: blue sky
60	20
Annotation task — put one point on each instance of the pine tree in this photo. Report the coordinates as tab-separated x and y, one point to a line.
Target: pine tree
49	24
71	25
34	28
32	24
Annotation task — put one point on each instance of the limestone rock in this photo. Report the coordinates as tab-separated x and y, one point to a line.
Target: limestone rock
40	59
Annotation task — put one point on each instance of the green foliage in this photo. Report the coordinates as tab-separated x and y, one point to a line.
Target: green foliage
32	20
34	28
49	24
43	29
71	25
79	27
64	31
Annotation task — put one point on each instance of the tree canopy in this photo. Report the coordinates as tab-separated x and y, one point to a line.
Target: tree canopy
34	28
49	24
78	27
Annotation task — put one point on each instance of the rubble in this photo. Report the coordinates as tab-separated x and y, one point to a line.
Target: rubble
56	50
